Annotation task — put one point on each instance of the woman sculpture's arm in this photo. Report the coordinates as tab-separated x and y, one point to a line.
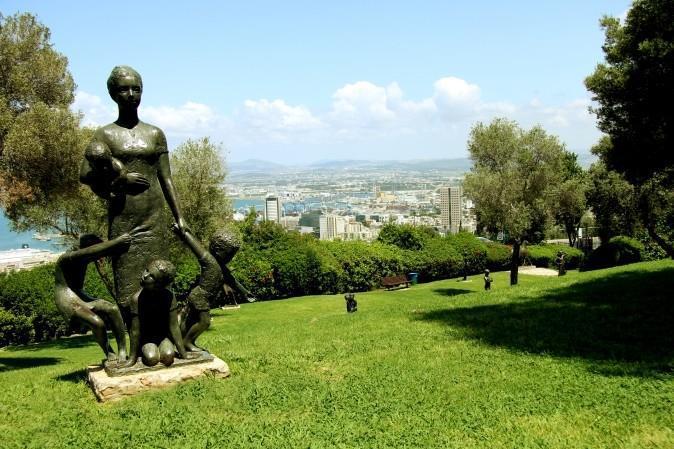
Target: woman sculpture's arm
166	182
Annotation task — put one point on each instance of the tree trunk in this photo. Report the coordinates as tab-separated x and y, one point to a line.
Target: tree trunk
109	285
515	263
664	244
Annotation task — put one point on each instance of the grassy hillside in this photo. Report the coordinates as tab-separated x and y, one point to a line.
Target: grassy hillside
581	361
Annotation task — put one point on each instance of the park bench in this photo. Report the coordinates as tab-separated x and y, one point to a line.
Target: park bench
390	282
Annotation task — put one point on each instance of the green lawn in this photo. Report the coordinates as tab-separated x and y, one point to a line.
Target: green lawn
584	361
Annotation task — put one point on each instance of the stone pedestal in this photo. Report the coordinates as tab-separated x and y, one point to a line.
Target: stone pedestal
107	388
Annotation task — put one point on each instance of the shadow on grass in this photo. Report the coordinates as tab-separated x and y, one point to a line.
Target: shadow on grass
79	341
620	324
17	363
451	291
76	376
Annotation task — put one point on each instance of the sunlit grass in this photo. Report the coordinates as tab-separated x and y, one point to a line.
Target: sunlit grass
580	361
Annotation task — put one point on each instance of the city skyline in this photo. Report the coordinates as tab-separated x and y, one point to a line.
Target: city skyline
298	83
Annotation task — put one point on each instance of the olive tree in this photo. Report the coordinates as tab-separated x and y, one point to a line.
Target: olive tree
513	178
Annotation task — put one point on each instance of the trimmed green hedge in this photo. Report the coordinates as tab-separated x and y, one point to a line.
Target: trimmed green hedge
544	255
27	309
272	263
620	250
498	256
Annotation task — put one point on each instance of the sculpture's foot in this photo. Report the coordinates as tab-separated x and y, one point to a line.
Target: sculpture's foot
121	356
129	363
111	357
191	347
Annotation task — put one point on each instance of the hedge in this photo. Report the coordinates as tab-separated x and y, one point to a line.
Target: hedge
620	250
272	264
545	255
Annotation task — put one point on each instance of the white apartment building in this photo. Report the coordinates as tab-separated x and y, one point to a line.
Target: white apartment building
272	209
343	227
451	208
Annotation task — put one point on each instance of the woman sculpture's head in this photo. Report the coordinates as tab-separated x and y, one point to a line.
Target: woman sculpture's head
125	86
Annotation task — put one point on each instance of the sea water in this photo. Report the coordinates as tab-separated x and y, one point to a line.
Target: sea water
14	240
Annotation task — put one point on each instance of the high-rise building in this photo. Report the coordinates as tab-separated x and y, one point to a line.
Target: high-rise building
272	209
329	226
451	205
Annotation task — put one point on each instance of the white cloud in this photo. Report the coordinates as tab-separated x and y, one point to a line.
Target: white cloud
363	120
189	120
94	110
277	115
363	104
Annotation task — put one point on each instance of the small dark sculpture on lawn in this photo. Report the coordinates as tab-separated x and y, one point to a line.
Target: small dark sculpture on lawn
561	268
487	280
74	303
154	327
351	304
211	285
465	265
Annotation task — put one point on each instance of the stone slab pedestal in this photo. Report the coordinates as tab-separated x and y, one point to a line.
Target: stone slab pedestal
107	388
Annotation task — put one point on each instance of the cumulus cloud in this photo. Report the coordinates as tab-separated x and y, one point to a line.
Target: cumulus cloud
188	120
360	115
277	115
455	98
363	104
95	112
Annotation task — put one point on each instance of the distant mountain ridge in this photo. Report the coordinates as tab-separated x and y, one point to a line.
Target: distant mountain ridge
456	164
256	165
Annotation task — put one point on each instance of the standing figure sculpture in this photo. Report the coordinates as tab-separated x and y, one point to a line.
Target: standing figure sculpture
75	304
211	283
561	268
136	184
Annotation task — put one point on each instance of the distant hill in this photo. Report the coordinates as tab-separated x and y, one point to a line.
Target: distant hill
255	165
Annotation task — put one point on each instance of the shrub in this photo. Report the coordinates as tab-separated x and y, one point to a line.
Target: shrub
498	256
14	329
619	250
27	296
254	271
364	264
474	250
438	260
545	255
406	236
187	272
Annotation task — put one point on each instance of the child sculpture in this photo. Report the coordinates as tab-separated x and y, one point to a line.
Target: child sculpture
210	286
155	331
74	303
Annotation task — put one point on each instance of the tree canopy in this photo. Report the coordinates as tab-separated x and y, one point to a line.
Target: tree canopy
634	90
41	142
512	181
199	173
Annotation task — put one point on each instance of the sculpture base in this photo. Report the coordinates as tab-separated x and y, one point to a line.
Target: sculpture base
109	388
114	370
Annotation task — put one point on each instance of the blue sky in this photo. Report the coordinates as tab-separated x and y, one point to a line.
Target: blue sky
300	81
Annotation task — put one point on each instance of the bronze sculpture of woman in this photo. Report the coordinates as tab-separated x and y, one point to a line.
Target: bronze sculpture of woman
141	188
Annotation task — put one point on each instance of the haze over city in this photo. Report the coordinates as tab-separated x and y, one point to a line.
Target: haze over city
297	82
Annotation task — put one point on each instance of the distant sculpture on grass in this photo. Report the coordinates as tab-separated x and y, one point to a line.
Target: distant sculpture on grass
214	278
75	304
487	280
559	261
351	304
